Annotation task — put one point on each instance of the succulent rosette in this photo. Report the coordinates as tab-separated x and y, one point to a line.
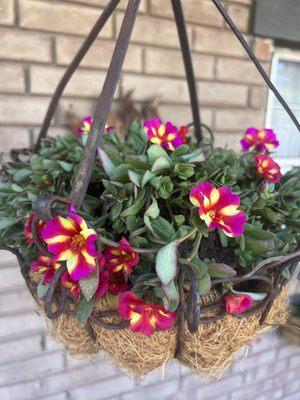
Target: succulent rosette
259	140
69	239
144	318
218	208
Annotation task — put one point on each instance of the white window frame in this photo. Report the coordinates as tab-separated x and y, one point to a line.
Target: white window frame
287	55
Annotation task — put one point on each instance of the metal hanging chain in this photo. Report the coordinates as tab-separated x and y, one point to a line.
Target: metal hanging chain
82	178
89	40
256	62
189	72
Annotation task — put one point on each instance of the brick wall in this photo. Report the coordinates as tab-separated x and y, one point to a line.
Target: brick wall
37	40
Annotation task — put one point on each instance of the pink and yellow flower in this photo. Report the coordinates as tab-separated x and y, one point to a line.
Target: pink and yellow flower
267	168
218	208
86	126
259	140
111	282
71	285
45	266
69	239
237	303
165	135
143	317
28	228
121	258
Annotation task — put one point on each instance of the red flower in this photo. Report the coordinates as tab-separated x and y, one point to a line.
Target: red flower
218	208
72	286
123	257
259	140
46	266
112	282
267	168
237	303
28	227
143	317
183	132
71	240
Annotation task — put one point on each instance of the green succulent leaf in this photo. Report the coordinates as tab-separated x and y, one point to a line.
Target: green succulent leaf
166	263
84	309
153	210
106	162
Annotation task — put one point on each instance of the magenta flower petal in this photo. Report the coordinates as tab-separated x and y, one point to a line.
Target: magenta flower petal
259	140
166	135
267	168
218	208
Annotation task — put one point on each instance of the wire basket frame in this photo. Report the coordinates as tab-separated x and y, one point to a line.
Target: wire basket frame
44	205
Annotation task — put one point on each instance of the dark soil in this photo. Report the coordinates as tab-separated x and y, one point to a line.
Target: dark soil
211	248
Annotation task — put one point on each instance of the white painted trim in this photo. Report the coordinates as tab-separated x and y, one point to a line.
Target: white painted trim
286	55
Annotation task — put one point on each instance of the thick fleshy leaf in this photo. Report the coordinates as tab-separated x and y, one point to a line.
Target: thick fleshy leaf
41	290
166	263
163	229
134	209
172	294
161	163
153	210
22	174
135	178
219	270
195	156
106	162
204	284
146	178
84	309
154	152
89	285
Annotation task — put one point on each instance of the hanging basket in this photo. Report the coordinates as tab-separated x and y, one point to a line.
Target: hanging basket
185	264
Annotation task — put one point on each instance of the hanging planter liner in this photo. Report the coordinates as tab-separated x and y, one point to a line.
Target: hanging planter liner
204	338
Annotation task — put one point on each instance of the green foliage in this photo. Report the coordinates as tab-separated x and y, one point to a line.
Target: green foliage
140	191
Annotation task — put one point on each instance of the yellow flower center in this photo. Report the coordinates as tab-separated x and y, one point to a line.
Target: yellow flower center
212	214
77	241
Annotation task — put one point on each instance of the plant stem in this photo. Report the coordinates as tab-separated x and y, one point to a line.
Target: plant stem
111	243
195	249
188	235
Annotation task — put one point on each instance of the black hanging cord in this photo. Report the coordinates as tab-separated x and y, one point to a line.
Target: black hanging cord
259	67
184	43
107	12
